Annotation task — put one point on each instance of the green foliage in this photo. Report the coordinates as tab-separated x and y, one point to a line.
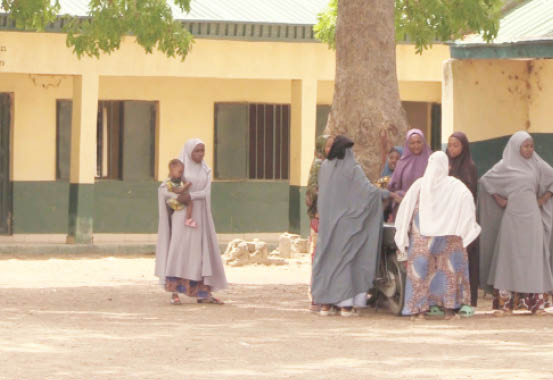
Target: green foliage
325	29
423	22
150	21
31	14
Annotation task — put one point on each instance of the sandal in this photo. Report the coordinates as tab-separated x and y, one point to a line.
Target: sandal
315	308
327	310
175	300
450	315
466	311
191	223
435	312
210	299
347	312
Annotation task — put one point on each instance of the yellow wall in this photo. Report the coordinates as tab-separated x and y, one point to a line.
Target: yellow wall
186	106
541	96
325	92
215	71
34	123
492	98
186	109
47	53
415	67
484	98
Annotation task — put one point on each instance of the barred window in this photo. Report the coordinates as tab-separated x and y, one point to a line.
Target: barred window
252	141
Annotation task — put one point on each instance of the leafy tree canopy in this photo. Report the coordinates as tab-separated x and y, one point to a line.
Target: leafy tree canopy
150	21
425	21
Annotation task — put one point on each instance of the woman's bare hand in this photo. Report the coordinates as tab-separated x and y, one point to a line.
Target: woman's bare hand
396	197
544	198
501	202
177	190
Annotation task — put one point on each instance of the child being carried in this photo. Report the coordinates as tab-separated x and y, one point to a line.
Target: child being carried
176	185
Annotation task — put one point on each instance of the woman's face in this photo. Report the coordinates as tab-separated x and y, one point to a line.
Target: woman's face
527	149
198	153
328	145
393	157
454	147
415	144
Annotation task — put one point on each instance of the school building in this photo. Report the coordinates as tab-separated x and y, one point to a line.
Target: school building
492	90
85	142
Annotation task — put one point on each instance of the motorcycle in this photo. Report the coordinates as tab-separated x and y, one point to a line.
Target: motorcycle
389	286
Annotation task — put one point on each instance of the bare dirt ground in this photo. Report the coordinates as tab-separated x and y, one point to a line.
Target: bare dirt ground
106	318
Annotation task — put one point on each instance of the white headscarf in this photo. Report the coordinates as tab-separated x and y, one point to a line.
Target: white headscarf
446	205
192	168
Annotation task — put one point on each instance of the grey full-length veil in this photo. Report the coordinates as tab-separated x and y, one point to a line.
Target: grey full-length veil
350	210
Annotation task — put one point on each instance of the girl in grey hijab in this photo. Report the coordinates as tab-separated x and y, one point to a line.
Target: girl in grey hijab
350	211
515	212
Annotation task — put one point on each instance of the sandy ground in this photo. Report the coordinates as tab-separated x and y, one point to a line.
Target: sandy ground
106	318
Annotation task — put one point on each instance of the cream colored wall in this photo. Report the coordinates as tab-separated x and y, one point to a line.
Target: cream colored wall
419	91
47	53
186	106
33	145
484	98
426	67
540	102
215	71
325	91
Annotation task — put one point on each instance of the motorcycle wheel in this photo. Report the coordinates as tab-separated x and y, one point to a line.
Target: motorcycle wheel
396	274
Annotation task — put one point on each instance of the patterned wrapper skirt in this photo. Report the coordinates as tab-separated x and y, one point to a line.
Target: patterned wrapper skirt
508	301
437	272
187	287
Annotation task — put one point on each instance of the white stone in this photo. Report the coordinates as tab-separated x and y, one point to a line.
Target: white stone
240	252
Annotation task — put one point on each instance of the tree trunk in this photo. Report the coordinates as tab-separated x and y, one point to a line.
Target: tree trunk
366	105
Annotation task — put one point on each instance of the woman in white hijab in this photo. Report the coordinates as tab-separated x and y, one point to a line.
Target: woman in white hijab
515	210
188	259
434	225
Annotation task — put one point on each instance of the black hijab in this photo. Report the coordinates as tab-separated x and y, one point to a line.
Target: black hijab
462	166
338	149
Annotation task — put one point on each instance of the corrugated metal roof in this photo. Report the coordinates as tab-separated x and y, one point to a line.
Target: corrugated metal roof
533	20
299	12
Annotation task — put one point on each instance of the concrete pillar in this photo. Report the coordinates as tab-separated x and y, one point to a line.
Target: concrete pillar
83	158
447	101
302	147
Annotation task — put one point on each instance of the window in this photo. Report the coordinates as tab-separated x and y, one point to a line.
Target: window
126	140
63	138
323	110
125	137
252	141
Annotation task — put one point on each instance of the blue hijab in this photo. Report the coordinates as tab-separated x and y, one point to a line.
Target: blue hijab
387	172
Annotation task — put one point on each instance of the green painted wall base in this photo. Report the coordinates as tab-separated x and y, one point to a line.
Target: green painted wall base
517	50
81	213
125	206
250	206
40	207
131	207
297	211
109	206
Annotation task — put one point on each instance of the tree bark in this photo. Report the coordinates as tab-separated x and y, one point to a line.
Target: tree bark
366	105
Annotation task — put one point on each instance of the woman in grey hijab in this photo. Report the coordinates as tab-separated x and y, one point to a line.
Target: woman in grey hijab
515	212
350	211
188	260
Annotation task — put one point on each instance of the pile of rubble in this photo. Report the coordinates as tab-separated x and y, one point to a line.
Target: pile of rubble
240	252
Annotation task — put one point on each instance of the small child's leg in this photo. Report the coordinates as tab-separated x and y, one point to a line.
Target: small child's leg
189	221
